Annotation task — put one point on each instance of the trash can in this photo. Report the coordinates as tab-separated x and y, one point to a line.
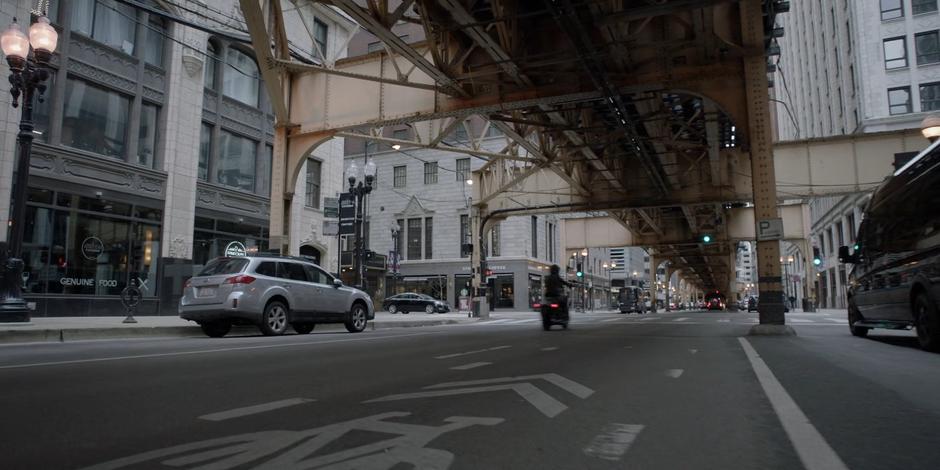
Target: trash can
481	308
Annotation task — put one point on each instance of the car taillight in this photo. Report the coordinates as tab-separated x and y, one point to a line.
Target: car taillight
536	305
553	305
240	279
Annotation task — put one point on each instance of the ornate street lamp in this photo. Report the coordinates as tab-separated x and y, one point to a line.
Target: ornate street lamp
365	176
28	72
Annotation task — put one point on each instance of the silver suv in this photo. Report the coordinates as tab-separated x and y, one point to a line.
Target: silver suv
271	292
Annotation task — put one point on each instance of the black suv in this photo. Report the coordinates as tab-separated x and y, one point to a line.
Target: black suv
895	280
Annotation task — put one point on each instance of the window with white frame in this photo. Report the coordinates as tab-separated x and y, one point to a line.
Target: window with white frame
400	176
313	183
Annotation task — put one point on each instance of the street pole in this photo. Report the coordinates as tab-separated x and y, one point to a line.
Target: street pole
359	190
27	74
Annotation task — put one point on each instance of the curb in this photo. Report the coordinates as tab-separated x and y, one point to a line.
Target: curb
80	334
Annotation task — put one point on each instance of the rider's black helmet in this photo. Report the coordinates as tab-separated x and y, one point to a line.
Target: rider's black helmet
554	269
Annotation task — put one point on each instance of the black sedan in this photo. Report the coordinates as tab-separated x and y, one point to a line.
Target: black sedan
414	302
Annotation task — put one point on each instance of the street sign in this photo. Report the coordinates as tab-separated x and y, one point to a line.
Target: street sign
769	229
330	228
347	206
347	227
331	207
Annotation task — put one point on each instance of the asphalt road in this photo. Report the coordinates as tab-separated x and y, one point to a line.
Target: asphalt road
670	391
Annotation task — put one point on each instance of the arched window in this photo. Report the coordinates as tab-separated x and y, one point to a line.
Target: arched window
240	78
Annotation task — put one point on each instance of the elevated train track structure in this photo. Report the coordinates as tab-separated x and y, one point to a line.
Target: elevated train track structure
651	116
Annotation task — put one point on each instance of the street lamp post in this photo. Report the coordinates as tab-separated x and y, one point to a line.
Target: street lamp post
359	190
396	231
27	76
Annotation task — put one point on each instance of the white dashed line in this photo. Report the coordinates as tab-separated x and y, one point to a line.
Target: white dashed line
472	365
810	445
613	441
800	320
682	319
255	409
648	319
448	356
551	348
611	319
674	373
693	351
724	320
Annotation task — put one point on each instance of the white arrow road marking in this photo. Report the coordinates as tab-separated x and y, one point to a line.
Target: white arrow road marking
540	400
810	445
570	386
448	356
551	348
472	365
613	441
674	373
255	409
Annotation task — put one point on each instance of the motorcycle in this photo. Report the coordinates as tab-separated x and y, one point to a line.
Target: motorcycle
554	312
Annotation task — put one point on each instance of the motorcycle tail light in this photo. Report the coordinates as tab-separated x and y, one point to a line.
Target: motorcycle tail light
536	305
553	305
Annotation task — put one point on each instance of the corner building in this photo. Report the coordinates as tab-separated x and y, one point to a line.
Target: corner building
153	152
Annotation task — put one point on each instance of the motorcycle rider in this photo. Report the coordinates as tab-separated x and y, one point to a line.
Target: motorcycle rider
554	287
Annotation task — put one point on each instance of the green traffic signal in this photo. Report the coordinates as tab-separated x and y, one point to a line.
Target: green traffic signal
817	261
706	238
579	274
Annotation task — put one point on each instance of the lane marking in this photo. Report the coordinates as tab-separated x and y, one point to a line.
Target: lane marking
724	320
571	386
674	373
614	440
542	401
472	365
448	356
682	319
255	409
552	348
648	319
837	320
693	351
204	351
801	320
810	445
611	319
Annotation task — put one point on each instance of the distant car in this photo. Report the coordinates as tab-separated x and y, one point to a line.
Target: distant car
715	304
272	292
414	302
895	277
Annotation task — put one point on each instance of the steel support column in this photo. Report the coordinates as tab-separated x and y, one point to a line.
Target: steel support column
770	309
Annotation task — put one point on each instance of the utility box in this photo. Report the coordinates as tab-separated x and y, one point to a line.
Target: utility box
481	308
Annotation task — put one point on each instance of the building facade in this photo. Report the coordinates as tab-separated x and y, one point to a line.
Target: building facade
852	67
152	153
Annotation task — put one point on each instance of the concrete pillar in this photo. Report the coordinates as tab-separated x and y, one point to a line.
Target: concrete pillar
763	180
182	117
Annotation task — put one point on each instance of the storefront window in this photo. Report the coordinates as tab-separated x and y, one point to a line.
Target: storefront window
88	246
502	292
435	286
463	287
147	135
95	119
535	289
236	165
212	236
240	79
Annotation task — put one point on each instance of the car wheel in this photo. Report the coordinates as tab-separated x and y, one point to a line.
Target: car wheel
274	320
927	323
216	329
303	328
855	316
357	318
428	309
392	309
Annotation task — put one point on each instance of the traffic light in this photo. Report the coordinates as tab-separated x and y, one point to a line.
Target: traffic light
706	238
817	259
579	273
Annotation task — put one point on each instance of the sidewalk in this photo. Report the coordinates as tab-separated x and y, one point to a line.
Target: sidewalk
61	329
